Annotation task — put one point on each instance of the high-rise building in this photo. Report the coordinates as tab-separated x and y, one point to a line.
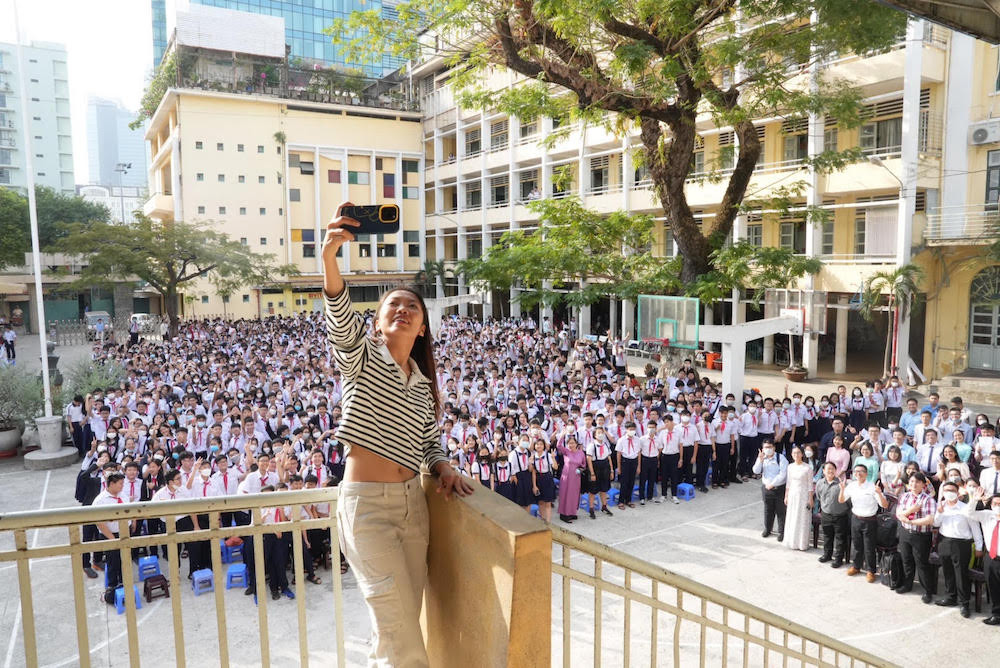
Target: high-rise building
110	143
46	76
305	21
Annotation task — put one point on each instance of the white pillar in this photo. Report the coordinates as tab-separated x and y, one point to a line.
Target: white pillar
438	257
463	252
840	350
814	234
768	350
810	354
583	324
733	367
628	319
613	309
709	320
960	64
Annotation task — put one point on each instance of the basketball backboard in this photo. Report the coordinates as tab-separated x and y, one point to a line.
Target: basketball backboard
812	304
676	319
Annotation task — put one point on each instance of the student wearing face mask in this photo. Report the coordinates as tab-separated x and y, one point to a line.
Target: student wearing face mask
504	479
627	450
956	533
989	523
985	444
520	466
773	471
857	407
749	443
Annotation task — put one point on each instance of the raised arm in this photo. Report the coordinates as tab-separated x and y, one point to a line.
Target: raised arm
345	327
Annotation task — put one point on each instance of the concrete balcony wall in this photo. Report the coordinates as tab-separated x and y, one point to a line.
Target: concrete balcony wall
495	609
159	206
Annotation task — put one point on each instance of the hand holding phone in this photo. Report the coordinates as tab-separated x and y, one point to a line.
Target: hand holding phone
373	219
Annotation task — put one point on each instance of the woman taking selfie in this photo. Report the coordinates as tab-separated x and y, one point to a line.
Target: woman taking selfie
389	428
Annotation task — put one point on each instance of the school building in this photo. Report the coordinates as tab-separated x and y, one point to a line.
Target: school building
268	167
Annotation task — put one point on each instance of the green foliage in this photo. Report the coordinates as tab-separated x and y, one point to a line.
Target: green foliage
14	237
900	285
163	78
743	265
56	211
168	256
20	396
83	376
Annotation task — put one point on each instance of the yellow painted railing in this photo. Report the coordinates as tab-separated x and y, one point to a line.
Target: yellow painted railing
73	519
663	619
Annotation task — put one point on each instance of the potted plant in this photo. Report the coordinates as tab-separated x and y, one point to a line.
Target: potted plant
20	402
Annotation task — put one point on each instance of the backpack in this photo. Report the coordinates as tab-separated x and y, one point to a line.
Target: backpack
891	569
887	531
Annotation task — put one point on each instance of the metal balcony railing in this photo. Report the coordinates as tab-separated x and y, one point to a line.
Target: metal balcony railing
669	619
975	223
240	650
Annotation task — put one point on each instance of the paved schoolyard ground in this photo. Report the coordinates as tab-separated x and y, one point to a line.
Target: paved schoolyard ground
714	539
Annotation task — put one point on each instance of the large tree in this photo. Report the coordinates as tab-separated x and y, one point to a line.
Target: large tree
658	67
56	212
168	256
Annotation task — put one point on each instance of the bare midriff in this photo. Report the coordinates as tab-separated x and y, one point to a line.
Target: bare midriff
363	465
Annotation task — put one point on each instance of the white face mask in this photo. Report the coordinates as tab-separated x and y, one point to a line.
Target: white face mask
950	496
206	473
809	454
796	401
768	452
685	419
752	410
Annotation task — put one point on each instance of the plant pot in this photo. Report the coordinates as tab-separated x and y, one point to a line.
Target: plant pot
795	375
10	439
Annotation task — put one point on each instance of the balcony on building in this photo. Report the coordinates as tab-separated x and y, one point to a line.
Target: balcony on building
159	206
967	225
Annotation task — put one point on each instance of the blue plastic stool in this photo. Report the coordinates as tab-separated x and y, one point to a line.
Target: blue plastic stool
534	510
236	576
230	554
685	491
613	496
148	567
120	599
708	478
202	581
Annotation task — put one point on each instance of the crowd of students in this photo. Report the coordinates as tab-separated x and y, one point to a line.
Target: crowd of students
529	412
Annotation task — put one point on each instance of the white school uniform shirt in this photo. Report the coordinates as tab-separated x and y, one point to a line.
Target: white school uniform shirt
254	481
989	479
767	422
204	487
481	471
894	396
628	446
520	460
647	447
164	494
748	424
542	463
706	433
984	446
723	430
686	434
598	450
615	431
955	522
106	499
225	484
132	490
667	442
876	401
74	412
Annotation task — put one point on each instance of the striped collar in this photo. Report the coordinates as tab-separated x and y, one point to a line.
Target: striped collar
415	375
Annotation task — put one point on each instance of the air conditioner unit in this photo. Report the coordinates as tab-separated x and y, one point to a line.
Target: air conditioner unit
986	132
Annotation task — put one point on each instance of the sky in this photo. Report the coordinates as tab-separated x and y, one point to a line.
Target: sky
109	45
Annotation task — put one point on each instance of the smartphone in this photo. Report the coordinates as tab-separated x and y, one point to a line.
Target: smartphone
374	219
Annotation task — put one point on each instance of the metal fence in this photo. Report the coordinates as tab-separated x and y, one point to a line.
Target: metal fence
72	520
668	619
77	332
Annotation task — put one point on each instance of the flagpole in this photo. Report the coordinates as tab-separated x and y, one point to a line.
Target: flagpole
36	259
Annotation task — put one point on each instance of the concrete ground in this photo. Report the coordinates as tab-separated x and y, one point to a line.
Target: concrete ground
714	539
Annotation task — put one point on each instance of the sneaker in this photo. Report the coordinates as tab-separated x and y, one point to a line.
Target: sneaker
90	572
592	515
676	500
288	594
275	594
825	558
837	563
657	500
642	502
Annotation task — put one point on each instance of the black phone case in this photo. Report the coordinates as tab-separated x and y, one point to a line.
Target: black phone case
368	216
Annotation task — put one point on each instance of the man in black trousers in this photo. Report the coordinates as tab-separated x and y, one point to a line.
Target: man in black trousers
773	471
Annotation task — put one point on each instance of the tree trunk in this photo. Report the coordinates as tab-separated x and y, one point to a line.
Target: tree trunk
888	340
170	303
791	351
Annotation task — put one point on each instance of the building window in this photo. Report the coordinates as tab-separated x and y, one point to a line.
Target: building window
473	145
333	176
475	247
388	185
473	196
200	176
293	159
793	236
239	148
697	163
529	184
528	128
668	242
882	137
386	250
260	179
243	211
378	164
859	232
260	148
411	192
755	235
225	299
992	179
294	195
279	179
246	299
796	147
599	174
308	250
499	190
243	241
263	241
827	248
263	211
364	251
357	178
201	209
4	175
498	135
241	178
219	146
306	168
222	210
830	140
281	212
199	145
204	299
222	178
410	167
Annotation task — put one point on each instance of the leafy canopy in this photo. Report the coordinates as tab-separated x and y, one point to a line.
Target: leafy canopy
56	211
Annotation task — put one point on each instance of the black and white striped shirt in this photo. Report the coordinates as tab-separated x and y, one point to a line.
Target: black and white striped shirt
382	410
